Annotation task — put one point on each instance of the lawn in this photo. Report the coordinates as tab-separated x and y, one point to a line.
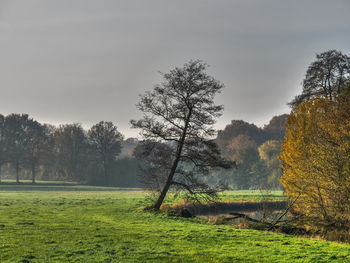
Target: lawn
71	223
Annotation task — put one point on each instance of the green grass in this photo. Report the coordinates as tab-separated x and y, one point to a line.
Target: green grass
251	195
97	225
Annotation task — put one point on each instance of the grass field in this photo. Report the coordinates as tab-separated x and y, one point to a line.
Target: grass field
71	223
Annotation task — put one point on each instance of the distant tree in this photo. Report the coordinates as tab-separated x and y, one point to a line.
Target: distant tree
35	146
106	141
240	141
125	173
48	155
128	147
71	151
2	142
243	149
325	77
276	130
239	127
155	160
181	111
268	153
16	140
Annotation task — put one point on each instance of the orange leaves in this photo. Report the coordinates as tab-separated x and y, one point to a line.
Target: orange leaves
315	156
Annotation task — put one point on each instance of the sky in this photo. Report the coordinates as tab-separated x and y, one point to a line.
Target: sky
81	61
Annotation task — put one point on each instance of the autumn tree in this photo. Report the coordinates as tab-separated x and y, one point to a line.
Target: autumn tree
105	140
268	153
325	77
180	112
315	156
238	127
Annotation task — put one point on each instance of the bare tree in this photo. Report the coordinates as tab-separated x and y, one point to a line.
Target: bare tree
325	77
180	112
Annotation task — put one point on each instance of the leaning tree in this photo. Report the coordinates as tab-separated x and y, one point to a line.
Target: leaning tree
180	113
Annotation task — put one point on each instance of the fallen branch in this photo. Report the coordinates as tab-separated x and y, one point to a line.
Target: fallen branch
239	215
284	213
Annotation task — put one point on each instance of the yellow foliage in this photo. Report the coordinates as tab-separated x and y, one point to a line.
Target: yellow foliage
315	161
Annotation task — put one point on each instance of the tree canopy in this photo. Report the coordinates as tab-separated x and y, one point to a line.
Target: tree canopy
325	77
316	154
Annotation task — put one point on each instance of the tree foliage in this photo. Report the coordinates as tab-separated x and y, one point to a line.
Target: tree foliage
241	141
316	168
236	128
275	130
105	140
70	151
268	153
325	77
16	142
37	139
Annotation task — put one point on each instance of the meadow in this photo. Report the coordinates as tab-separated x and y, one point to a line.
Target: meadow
73	223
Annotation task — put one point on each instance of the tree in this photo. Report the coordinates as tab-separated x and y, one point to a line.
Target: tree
2	142
236	128
36	139
181	112
71	151
106	141
325	77
268	153
48	153
155	160
276	130
243	149
316	168
16	140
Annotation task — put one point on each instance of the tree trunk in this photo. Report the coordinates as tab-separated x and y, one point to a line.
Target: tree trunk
0	171
33	174
174	166
105	173
17	173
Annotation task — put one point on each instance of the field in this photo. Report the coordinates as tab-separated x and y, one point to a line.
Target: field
71	223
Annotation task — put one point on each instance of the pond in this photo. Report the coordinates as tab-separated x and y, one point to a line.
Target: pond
234	211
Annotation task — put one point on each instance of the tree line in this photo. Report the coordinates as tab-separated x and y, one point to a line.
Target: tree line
101	156
255	150
67	152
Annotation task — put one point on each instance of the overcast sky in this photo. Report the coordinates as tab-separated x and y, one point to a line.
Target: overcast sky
86	61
